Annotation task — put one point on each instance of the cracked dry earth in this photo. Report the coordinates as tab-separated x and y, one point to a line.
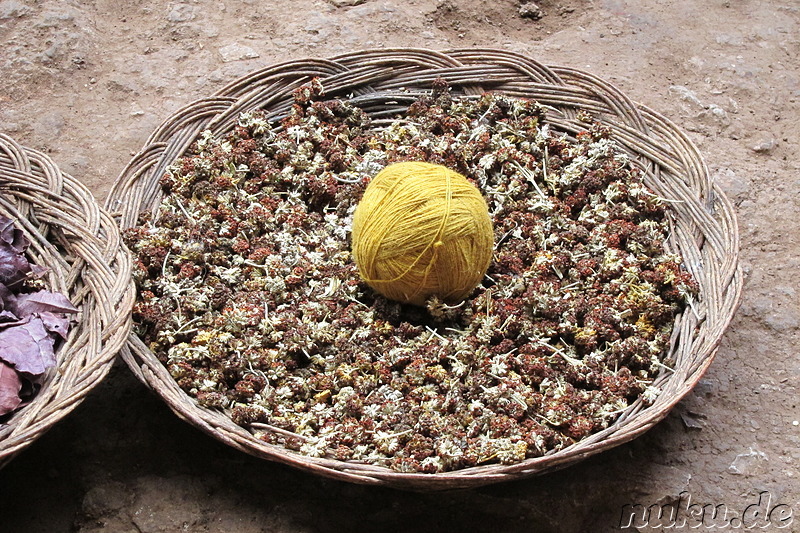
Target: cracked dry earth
87	82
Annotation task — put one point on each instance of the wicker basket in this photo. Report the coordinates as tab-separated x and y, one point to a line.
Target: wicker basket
80	243
384	83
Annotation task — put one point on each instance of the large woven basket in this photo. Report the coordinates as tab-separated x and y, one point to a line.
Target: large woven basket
383	83
80	244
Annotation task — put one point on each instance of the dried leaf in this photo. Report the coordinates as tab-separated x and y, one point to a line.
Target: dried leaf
55	324
10	386
42	302
10	235
14	266
39	271
28	347
7	298
28	322
7	318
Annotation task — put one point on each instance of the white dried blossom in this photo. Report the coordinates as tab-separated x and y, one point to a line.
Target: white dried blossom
651	394
498	366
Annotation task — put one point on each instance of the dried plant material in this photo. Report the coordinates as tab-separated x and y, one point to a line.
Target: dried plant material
14	266
10	386
249	297
31	319
55	323
28	347
42	301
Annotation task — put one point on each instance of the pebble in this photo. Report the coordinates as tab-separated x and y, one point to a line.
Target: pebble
692	421
707	113
237	52
385	10
765	146
717	114
686	94
746	463
181	13
530	10
13	9
346	3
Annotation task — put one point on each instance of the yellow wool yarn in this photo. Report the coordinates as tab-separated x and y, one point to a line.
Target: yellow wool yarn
422	230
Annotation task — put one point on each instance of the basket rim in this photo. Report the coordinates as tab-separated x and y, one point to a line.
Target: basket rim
661	146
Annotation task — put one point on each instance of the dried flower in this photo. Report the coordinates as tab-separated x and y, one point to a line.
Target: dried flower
250	298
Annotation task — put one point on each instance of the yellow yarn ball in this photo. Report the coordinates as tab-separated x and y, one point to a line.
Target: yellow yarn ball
422	230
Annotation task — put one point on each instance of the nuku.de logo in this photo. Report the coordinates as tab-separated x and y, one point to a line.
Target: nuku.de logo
683	514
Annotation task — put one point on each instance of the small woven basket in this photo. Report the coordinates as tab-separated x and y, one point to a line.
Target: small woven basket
384	83
80	244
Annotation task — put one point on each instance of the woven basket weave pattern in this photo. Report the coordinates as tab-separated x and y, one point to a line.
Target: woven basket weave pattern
384	83
80	244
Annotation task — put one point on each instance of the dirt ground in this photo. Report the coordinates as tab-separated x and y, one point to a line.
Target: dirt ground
87	81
